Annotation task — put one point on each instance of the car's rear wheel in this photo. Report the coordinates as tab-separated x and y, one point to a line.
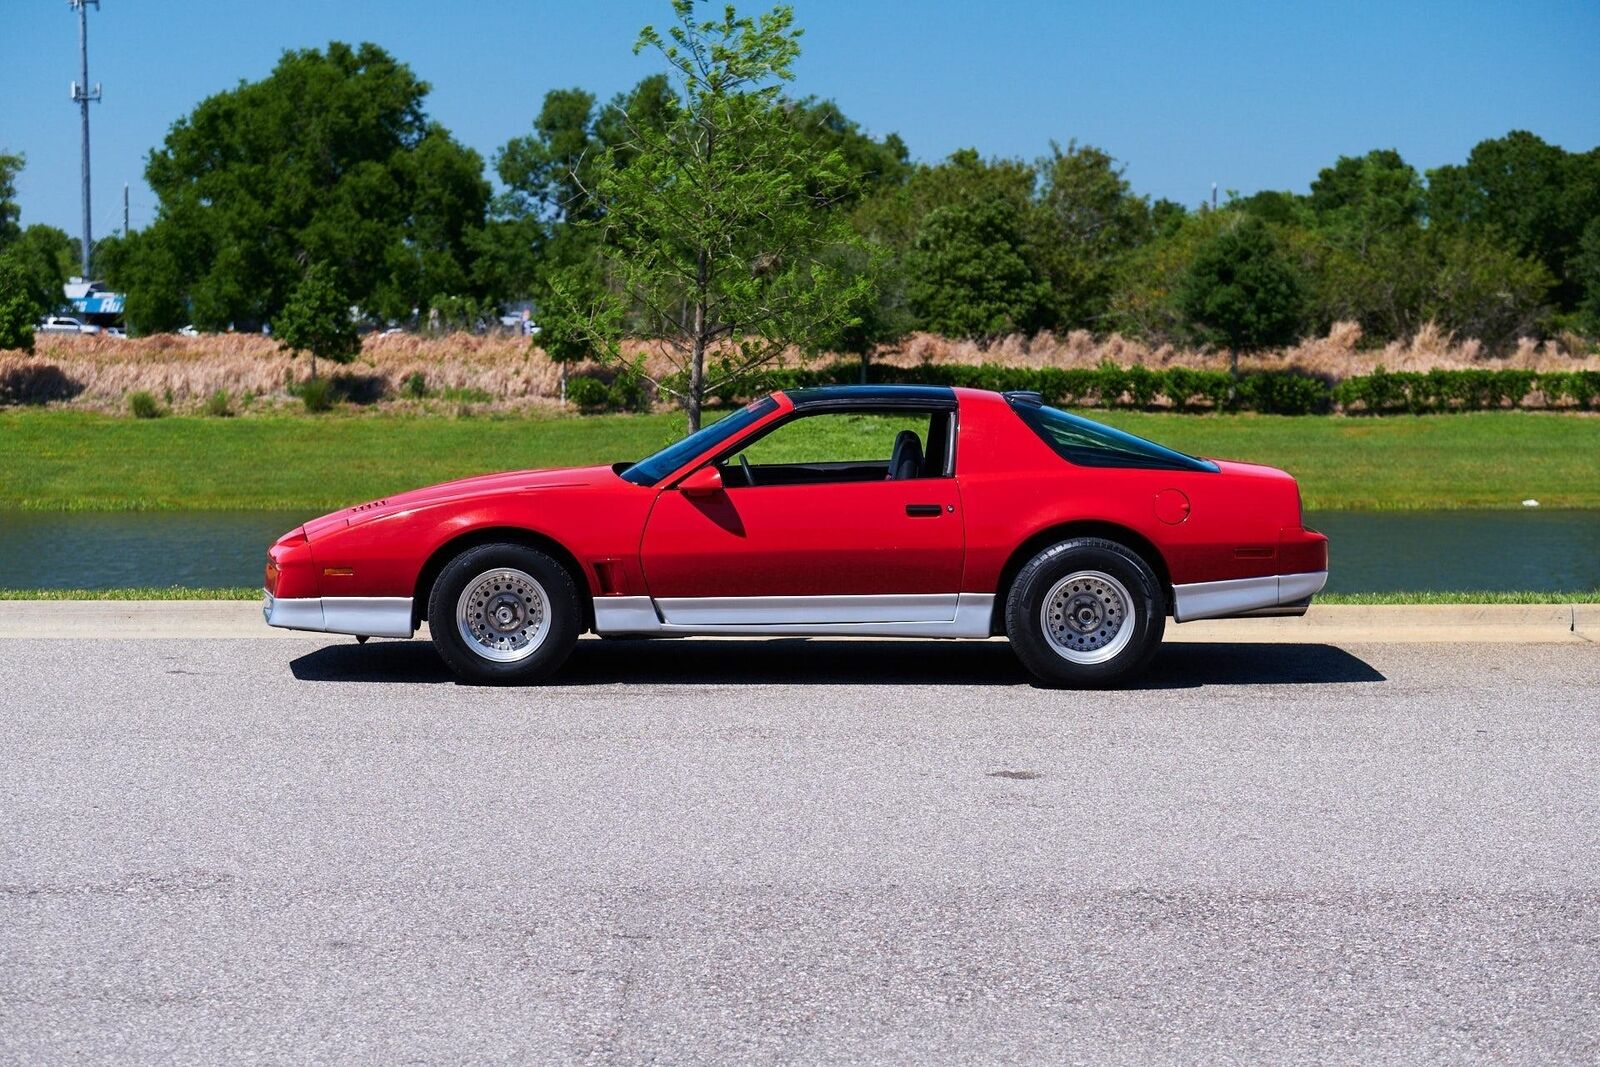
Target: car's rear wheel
504	614
1086	612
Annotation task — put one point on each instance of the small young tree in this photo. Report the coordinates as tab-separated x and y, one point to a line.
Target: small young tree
877	313
715	223
316	319
18	308
1242	291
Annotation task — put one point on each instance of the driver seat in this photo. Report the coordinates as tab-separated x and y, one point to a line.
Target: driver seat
906	460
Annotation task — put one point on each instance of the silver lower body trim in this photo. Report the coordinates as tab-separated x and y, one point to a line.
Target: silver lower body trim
909	615
363	616
1273	594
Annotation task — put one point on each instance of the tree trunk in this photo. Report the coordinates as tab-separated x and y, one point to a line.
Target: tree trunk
697	354
313	365
697	375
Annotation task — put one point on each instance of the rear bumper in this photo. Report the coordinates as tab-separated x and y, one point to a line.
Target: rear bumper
363	616
1273	594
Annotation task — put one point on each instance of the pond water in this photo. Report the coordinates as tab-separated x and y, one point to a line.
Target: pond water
1537	549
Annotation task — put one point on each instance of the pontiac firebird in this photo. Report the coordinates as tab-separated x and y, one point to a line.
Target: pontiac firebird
975	514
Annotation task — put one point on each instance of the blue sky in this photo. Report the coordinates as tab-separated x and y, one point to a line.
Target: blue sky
1249	95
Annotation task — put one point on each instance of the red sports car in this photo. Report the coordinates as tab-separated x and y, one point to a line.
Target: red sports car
890	511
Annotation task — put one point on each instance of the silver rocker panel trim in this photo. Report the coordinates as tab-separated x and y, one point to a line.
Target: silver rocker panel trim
895	615
363	616
1273	594
797	610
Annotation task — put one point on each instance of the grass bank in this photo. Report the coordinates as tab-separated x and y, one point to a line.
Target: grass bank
72	460
1591	596
143	593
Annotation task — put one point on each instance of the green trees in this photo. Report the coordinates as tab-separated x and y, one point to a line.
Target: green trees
316	319
33	264
330	159
705	210
712	227
1358	199
10	211
535	234
18	311
1536	196
1086	222
1586	268
968	275
1242	290
1056	230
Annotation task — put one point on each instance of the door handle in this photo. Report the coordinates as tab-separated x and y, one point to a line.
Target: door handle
923	511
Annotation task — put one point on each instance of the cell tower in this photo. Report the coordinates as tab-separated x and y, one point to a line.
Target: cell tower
83	96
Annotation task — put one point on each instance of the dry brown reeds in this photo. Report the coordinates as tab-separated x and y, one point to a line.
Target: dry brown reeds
101	371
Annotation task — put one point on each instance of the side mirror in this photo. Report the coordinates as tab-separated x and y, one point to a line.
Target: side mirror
703	482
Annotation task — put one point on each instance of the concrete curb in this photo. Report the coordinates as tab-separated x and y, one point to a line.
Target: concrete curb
1586	621
1323	624
1407	623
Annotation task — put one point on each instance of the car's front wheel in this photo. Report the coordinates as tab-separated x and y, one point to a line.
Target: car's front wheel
1085	612
504	614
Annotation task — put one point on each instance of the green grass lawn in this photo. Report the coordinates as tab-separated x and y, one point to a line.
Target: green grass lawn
68	460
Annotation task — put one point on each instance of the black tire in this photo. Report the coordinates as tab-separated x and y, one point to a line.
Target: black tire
473	661
1089	608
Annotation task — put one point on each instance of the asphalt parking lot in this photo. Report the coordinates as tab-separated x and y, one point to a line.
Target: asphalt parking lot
309	850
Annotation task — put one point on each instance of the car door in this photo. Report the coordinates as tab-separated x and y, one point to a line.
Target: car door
861	549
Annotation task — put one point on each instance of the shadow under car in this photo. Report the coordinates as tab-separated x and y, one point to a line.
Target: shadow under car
821	661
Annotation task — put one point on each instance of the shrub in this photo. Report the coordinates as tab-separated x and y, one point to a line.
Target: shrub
1284	394
143	406
1581	387
317	394
415	386
588	395
1184	386
219	404
629	392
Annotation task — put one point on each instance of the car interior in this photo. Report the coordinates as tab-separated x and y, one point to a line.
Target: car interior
906	455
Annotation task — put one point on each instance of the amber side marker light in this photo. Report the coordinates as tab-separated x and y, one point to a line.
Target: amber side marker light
338	572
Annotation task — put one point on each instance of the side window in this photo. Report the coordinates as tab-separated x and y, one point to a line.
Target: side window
840	446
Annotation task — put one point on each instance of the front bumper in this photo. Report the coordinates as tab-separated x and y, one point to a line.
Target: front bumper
363	616
1273	594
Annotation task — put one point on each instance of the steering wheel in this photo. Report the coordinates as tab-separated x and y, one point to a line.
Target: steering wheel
749	476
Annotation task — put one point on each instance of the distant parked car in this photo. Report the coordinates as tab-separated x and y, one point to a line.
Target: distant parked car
115	331
188	331
64	324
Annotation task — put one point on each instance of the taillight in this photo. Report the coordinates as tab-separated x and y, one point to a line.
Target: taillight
271	581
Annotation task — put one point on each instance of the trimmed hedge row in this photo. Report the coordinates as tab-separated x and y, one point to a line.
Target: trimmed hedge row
1184	388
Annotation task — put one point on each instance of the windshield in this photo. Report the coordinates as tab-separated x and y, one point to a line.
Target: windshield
1090	444
652	470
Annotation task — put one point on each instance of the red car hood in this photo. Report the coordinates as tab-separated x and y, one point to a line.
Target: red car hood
461	489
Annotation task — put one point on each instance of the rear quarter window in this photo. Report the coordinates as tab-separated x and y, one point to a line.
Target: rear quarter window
1087	443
